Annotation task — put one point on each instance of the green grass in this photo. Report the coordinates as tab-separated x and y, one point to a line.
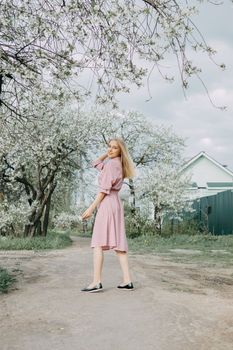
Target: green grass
78	233
6	280
197	247
54	240
198	241
204	249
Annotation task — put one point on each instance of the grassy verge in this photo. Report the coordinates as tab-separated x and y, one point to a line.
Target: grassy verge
6	280
206	250
78	233
202	249
54	240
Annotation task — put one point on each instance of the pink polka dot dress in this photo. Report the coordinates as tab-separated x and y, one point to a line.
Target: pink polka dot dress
109	225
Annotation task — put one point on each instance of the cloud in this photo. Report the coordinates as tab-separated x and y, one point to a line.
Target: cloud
204	127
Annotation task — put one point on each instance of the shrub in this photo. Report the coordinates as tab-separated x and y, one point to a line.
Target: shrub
6	280
137	224
65	220
13	217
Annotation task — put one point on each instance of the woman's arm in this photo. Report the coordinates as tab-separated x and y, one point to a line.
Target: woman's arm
100	196
98	163
105	155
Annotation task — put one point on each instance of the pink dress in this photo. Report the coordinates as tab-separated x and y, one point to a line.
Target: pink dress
109	225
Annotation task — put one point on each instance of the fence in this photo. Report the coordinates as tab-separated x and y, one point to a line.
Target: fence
215	213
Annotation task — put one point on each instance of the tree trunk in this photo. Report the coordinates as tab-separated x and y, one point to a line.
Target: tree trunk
46	216
157	220
34	227
38	228
132	194
172	226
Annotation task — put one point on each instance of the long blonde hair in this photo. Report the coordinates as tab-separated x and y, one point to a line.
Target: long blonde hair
126	160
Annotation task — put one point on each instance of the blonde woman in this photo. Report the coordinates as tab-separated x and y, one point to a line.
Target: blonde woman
109	226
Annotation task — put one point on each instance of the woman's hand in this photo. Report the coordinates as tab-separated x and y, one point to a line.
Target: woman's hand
103	156
87	213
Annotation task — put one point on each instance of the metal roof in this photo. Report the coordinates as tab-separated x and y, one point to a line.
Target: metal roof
220	184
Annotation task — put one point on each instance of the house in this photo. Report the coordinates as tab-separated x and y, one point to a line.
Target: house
208	177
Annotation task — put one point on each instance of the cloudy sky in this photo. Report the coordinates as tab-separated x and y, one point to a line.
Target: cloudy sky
205	127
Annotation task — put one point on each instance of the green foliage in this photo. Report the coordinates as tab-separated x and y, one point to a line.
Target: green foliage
54	240
137	224
186	227
78	231
141	224
6	280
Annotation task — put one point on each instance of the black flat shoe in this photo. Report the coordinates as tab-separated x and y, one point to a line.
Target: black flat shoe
96	288
127	286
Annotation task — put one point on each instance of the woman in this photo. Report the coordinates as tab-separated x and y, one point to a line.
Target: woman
109	227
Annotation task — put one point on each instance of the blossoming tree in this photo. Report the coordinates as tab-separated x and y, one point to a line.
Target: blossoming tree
149	144
165	188
35	155
81	42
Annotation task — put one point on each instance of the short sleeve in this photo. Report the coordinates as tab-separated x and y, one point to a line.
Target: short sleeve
98	164
108	178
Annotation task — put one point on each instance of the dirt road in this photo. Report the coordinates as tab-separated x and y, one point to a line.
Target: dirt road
173	306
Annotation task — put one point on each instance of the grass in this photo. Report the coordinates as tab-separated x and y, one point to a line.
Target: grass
198	241
54	240
80	233
6	280
204	249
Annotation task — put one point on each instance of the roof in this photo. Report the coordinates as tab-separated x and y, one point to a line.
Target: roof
203	154
220	184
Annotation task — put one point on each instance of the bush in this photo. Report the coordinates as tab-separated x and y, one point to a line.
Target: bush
13	217
6	280
187	227
65	220
138	224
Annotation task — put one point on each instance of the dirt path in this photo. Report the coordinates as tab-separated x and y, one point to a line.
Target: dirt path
173	307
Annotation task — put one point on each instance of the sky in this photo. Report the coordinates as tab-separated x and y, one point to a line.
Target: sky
204	127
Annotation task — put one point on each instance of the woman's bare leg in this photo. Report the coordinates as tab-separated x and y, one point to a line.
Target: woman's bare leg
123	258
98	259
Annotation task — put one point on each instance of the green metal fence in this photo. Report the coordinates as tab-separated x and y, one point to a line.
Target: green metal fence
215	213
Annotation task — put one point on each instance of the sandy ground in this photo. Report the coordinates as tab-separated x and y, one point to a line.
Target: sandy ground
173	306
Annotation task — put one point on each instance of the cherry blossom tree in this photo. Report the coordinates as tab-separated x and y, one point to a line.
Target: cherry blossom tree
36	155
166	189
157	152
149	144
90	44
59	142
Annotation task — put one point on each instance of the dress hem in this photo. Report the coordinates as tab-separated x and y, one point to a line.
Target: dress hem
106	247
